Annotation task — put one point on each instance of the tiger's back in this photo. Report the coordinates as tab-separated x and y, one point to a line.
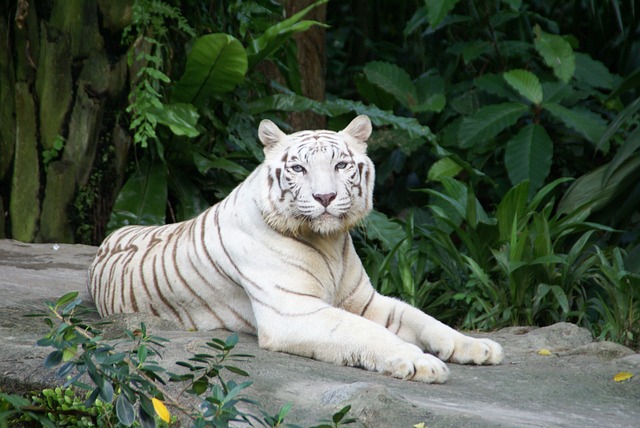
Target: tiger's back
168	271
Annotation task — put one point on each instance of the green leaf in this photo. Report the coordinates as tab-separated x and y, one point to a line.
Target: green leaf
277	35
216	64
106	390
591	125
526	83
511	208
378	226
561	297
53	359
556	52
181	118
373	94
437	10
592	72
69	297
200	386
630	146
431	96
125	411
204	164
626	118
445	167
591	192
470	50
339	416
495	84
528	156
394	80
487	122
143	198
513	4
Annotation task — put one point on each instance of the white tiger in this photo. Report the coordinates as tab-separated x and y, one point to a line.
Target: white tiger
275	258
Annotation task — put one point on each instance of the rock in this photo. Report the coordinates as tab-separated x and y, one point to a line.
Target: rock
573	387
603	350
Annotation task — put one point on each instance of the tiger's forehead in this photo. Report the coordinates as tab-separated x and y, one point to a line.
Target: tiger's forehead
306	144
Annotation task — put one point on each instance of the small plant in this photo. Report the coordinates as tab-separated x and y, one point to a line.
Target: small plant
52	154
128	385
617	301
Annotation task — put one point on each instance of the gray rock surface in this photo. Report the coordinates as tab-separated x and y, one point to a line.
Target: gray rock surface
573	387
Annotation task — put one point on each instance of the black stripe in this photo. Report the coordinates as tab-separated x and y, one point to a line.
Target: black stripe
364	310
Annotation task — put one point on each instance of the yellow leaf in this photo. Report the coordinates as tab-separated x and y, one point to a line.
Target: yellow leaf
420	425
622	376
545	352
161	410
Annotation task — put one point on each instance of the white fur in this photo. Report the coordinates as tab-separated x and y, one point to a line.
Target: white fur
272	259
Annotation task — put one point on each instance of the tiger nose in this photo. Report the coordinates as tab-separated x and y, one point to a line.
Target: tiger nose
324	198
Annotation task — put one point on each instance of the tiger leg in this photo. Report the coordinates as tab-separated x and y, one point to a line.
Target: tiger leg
414	326
334	335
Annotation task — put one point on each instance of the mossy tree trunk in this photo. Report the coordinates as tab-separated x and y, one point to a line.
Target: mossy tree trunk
58	78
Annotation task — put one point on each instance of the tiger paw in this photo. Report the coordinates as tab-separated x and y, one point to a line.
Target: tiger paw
477	351
424	368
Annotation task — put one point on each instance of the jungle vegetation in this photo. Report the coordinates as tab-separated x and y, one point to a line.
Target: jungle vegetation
507	139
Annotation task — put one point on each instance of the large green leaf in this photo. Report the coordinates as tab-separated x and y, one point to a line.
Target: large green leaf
378	226
528	156
204	164
495	84
277	35
526	83
592	72
628	148
487	122
445	167
142	199
216	64
557	54
394	80
592	192
511	208
437	10
431	96
585	122
125	411
181	118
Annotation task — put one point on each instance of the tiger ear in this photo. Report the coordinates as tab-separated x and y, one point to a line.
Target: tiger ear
269	134
359	128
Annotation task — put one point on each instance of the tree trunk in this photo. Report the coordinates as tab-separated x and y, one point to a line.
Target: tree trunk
56	79
312	63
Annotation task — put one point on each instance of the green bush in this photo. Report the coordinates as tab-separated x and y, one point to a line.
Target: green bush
124	382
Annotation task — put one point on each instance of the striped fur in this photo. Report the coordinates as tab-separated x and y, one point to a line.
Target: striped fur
275	258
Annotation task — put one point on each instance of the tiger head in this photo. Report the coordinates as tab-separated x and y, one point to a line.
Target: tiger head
319	182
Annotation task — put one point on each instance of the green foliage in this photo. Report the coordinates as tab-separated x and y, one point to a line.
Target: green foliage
212	93
50	155
143	198
216	64
149	55
618	300
127	382
521	264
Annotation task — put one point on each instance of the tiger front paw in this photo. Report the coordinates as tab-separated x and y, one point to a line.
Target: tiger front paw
423	368
477	351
